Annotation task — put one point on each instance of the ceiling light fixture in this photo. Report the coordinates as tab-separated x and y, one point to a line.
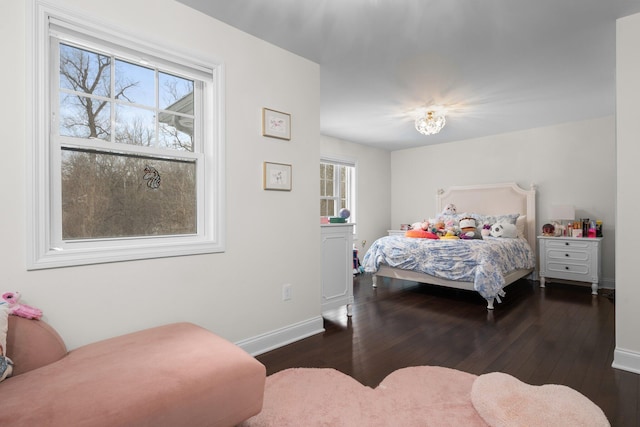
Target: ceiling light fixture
430	123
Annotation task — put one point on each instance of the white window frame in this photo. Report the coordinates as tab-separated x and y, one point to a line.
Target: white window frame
45	248
351	195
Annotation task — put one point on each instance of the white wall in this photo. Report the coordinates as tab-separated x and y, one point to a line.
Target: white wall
572	163
627	353
373	191
237	293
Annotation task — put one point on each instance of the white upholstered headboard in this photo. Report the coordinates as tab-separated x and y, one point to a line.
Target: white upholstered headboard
493	199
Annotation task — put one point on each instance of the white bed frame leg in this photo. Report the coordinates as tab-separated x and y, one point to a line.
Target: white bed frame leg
490	303
374	281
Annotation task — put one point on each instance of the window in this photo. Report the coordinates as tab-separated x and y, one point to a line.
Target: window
129	147
337	187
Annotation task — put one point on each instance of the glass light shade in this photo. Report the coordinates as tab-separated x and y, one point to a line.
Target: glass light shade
430	123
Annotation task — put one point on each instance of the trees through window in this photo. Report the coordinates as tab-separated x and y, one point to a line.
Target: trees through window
107	108
133	156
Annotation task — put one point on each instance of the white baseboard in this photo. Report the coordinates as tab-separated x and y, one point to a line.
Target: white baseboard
607	283
626	360
281	337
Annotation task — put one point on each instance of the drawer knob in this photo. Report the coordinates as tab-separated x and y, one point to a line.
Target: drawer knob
566	255
566	267
566	243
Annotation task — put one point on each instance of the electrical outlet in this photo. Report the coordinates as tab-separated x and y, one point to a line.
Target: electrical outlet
286	292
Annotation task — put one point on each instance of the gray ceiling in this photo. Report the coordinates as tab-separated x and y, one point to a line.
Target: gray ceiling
496	65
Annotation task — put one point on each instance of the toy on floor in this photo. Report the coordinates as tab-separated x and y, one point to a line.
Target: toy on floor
22	310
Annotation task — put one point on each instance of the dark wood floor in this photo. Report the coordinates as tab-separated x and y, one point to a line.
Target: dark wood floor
560	335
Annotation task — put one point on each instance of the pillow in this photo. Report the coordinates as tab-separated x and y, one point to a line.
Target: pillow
421	234
481	219
6	365
494	219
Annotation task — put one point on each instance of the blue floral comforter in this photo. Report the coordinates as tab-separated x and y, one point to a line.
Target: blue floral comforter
483	262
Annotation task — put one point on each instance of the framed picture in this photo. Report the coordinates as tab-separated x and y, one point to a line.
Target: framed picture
276	124
276	176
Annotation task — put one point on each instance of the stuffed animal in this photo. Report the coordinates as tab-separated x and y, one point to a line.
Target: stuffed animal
22	310
450	209
450	230
422	230
420	225
486	230
450	234
468	229
504	229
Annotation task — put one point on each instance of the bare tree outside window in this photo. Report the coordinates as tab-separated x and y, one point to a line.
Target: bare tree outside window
104	189
125	144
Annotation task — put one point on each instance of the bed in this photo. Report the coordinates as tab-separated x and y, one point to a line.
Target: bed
394	256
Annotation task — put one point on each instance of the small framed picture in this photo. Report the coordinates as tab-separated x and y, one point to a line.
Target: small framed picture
276	124
276	176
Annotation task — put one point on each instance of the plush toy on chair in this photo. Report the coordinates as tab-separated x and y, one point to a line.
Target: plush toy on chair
22	310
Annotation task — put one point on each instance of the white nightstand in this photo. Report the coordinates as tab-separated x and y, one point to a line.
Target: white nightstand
570	258
396	232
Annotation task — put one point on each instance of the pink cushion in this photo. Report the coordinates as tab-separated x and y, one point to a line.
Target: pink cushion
421	234
178	374
32	344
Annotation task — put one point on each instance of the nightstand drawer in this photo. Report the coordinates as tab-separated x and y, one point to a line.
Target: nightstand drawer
577	244
572	255
564	269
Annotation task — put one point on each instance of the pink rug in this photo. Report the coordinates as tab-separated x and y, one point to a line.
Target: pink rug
503	401
414	396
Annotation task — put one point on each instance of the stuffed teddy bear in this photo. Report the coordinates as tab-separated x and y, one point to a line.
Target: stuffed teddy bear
486	230
504	229
22	310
